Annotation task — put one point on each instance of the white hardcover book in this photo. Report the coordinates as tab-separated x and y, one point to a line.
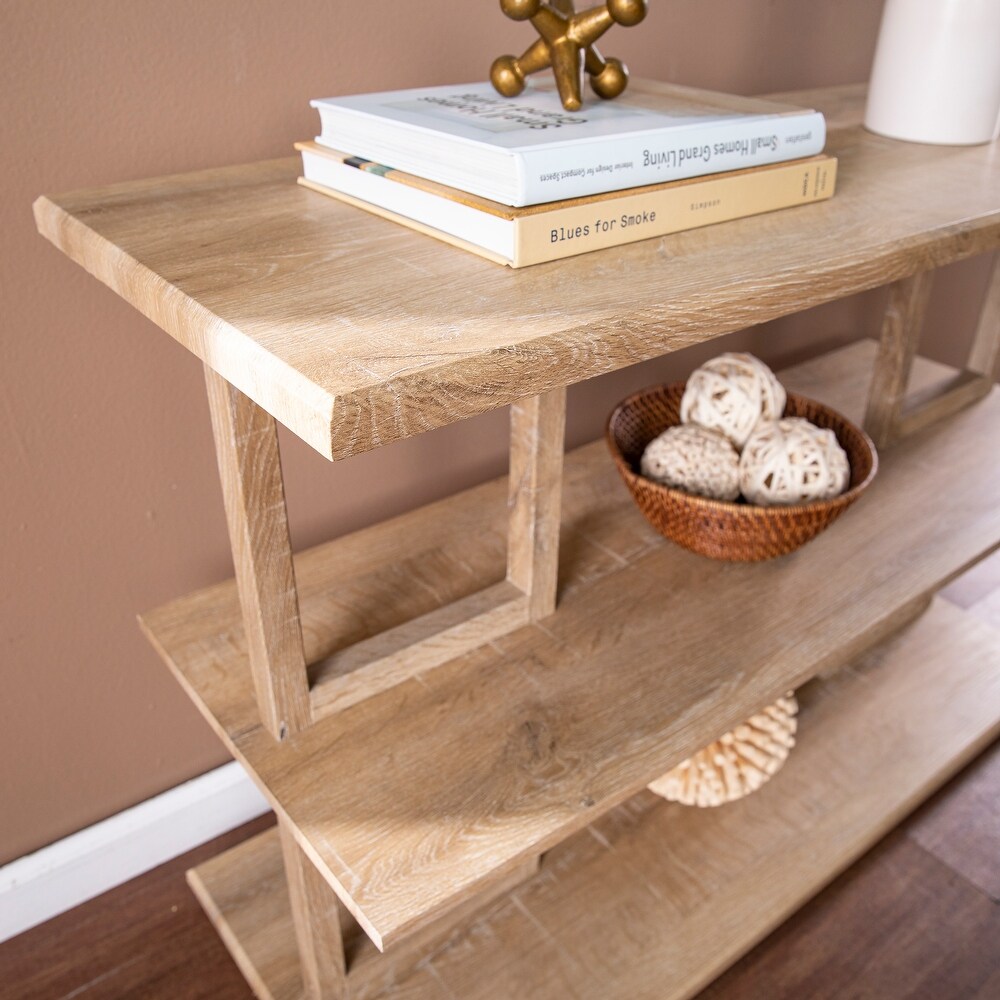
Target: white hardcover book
529	150
491	232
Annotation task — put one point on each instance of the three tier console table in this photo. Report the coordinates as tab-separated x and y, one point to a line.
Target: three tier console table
455	713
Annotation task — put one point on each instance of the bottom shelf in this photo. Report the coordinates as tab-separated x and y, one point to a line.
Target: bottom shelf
655	899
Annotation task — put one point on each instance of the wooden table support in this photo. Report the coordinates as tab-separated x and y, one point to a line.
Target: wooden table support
253	490
537	433
318	917
246	445
984	359
250	470
892	413
529	592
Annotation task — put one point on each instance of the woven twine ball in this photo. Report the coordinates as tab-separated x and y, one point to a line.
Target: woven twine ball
730	394
695	460
736	764
792	461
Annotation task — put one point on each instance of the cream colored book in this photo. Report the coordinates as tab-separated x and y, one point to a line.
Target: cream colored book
535	234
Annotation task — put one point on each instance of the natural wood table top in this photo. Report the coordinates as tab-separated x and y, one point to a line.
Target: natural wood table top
355	332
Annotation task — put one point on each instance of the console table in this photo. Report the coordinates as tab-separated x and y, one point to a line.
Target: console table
455	713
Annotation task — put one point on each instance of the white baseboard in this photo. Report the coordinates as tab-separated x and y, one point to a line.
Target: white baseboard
85	864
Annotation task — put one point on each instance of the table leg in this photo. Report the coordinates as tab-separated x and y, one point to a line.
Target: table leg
528	593
901	325
892	414
537	432
317	916
250	469
951	395
246	443
984	358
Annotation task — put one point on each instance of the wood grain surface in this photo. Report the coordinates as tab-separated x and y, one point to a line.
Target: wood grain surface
984	358
534	497
411	799
893	411
365	668
249	930
901	327
317	921
362	669
246	446
921	409
935	937
899	926
147	938
655	899
355	332
961	826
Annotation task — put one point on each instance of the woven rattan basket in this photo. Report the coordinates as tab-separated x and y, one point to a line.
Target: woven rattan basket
738	532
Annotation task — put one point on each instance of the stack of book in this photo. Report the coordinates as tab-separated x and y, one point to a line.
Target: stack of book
522	181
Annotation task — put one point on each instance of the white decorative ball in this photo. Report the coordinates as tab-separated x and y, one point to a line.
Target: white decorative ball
735	764
695	460
731	393
792	461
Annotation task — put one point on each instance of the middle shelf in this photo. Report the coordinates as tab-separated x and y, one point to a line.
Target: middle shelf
422	796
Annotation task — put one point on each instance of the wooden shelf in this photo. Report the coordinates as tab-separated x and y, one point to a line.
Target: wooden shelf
355	332
423	725
418	798
655	899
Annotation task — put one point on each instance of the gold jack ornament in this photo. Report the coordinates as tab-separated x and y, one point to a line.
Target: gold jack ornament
567	45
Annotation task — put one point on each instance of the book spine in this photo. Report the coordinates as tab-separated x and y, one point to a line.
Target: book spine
564	171
565	232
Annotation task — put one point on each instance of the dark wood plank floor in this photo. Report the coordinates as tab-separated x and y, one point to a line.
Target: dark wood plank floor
149	938
918	918
903	922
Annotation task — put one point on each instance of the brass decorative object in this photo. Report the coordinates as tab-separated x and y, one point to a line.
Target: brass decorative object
567	45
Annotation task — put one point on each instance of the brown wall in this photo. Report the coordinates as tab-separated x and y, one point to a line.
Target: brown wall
109	500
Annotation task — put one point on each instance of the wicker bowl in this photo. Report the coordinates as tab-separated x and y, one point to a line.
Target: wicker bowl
737	532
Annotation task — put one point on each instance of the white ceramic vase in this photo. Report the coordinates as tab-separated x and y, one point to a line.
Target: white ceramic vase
936	76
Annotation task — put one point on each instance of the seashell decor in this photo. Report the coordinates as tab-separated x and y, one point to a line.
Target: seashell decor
730	394
792	461
736	764
694	459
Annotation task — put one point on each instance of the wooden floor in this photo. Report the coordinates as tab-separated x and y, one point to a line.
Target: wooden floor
918	917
